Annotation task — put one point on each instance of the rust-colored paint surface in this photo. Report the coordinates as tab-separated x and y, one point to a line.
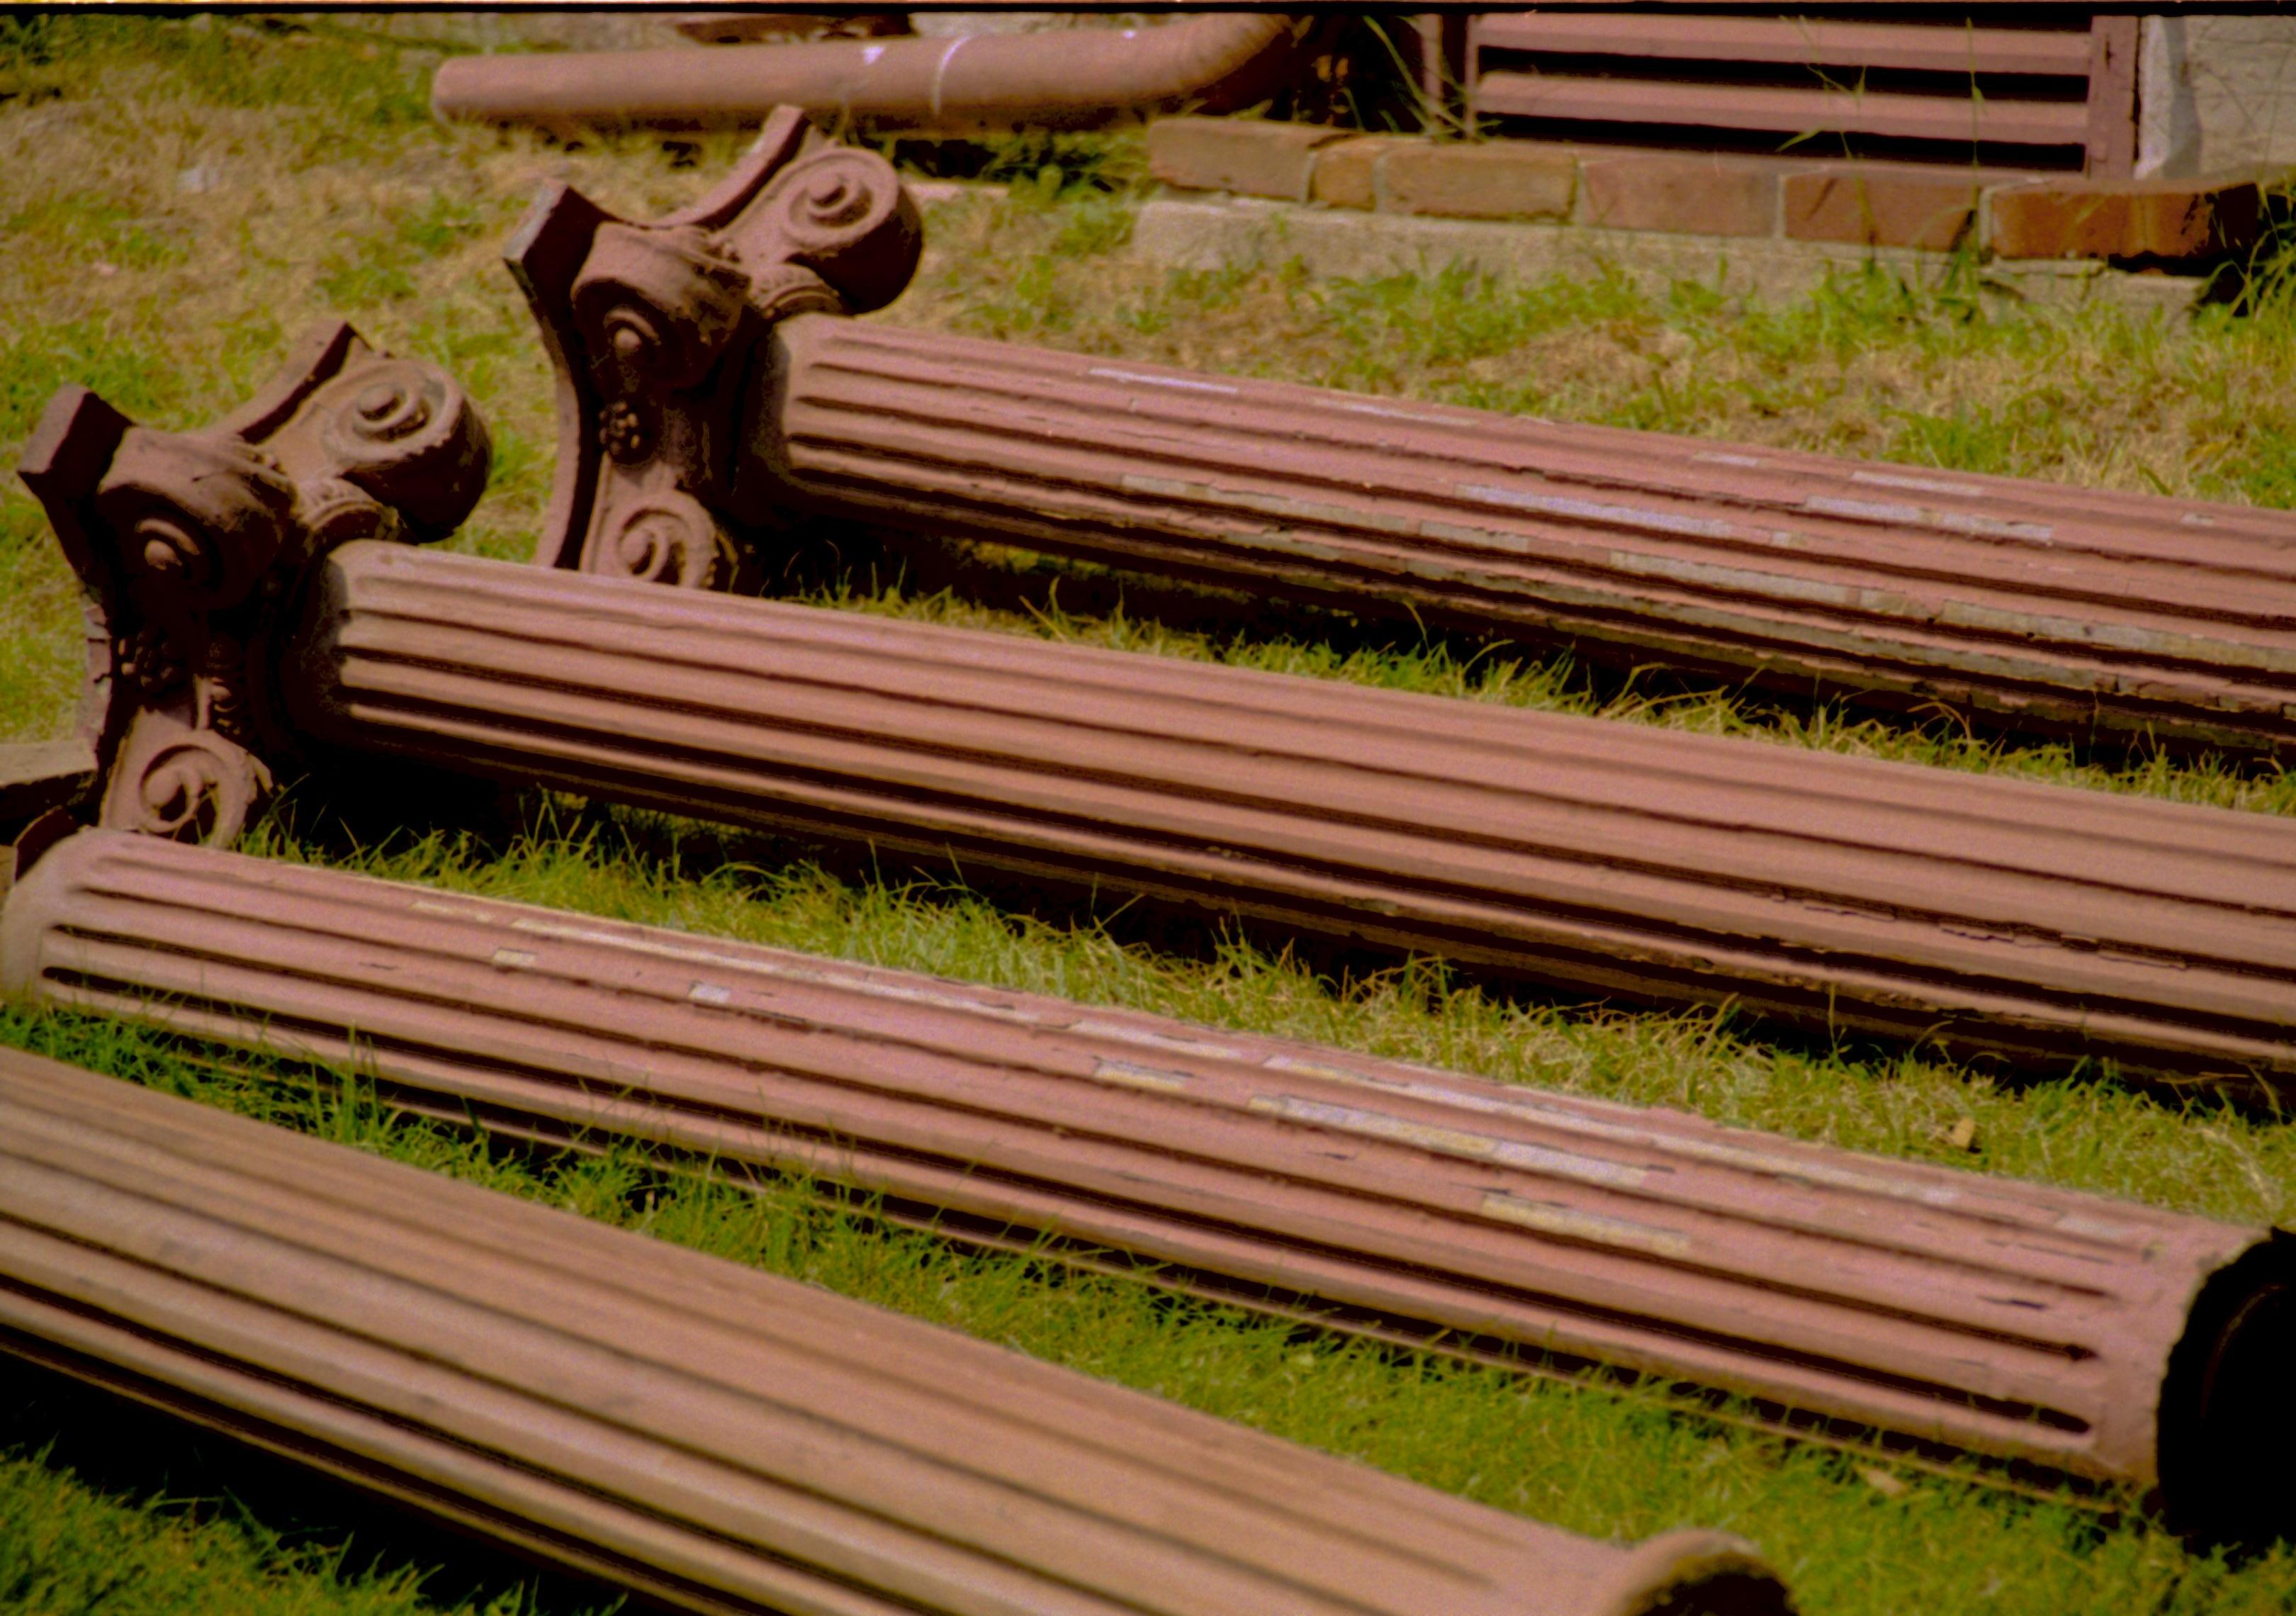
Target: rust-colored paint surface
651	331
189	545
1990	915
964	83
711	1438
2030	604
2030	921
1986	1315
2073	610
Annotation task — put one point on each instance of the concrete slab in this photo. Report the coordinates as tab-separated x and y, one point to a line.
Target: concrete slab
1210	233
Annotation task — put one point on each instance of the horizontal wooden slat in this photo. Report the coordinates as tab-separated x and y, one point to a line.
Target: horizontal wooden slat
1735	107
1793	39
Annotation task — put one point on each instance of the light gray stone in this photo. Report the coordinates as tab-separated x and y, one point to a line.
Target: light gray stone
2216	95
1213	233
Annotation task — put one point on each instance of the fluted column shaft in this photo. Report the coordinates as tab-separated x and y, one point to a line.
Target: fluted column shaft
2060	608
1991	916
1986	1315
711	1437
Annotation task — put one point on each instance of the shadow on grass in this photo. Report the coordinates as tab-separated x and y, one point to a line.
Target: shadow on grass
291	1517
845	564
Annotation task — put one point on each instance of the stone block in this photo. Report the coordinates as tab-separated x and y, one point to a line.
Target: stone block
1347	171
2216	90
1249	156
1504	179
1696	194
2161	221
1881	206
1197	233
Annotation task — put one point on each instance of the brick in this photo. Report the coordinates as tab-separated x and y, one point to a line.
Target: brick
1250	156
1347	171
1697	193
1501	180
1884	206
2153	220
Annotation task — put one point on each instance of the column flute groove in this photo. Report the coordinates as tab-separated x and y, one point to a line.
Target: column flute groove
1841	1293
706	1436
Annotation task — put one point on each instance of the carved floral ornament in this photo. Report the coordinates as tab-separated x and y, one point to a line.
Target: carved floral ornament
191	546
655	330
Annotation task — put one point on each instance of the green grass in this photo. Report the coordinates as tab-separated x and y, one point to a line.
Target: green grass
320	187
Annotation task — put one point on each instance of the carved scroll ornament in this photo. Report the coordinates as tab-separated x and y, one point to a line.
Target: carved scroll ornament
2090	613
653	328
191	546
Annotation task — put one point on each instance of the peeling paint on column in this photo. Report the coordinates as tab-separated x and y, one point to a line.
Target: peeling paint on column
698	1433
1976	1314
2057	609
1576	1225
2039	923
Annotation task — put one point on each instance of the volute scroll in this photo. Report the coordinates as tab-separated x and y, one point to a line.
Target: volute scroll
190	546
654	331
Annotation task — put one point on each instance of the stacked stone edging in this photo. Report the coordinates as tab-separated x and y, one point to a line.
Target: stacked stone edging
2005	213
